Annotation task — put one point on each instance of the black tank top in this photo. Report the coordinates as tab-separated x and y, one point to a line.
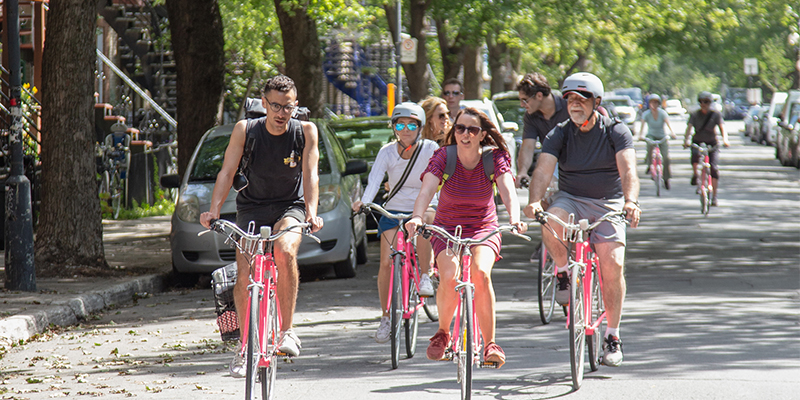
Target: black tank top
275	170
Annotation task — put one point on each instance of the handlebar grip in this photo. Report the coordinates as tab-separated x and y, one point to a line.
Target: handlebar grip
524	182
541	217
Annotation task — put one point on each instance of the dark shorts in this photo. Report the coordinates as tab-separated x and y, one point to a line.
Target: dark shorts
713	159
269	215
386	223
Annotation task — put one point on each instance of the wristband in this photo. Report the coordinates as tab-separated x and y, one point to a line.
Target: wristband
635	202
416	216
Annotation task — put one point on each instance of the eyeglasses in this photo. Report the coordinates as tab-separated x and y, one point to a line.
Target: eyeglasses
705	101
473	130
275	107
524	101
399	127
442	116
453	93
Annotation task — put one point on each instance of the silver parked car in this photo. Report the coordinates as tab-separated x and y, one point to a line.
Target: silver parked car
343	239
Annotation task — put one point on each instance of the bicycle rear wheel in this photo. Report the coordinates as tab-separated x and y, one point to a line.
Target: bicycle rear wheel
430	307
268	374
252	344
577	321
117	193
595	340
412	322
396	309
547	285
705	202
466	354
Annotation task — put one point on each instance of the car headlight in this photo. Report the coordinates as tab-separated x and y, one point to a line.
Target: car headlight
188	208
328	198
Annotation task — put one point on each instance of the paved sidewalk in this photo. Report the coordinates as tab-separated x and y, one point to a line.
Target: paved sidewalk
141	246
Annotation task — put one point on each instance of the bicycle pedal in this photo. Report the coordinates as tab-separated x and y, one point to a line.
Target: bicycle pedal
489	364
282	354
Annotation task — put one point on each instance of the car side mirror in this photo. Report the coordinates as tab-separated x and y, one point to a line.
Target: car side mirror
355	167
171	181
510	126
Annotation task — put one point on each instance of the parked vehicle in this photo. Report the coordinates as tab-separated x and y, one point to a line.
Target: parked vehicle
736	104
674	107
625	108
769	122
508	105
507	129
716	103
752	121
787	147
343	240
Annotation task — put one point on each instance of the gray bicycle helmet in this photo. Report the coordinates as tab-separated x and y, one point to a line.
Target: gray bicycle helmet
654	97
584	84
704	95
410	110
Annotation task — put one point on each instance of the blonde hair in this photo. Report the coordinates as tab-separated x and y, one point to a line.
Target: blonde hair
429	105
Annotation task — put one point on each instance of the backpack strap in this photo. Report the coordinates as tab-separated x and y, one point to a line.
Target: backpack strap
488	163
249	143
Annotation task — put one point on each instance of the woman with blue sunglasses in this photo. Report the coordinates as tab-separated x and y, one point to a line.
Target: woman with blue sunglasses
393	159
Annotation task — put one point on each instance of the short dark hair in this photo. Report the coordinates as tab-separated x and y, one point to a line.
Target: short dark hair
533	83
453	81
281	83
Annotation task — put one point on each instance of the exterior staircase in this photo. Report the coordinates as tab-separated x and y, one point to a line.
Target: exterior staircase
357	72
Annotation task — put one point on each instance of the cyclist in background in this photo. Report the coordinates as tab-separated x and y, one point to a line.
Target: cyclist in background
453	93
704	121
284	157
467	199
394	159
437	121
656	119
597	174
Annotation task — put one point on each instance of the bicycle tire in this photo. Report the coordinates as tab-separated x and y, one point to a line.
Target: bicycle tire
430	307
577	320
252	342
547	286
396	310
659	179
269	374
117	191
466	354
595	341
412	322
104	190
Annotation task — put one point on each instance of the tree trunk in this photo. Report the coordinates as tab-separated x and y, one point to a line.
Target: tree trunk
198	46
70	231
472	72
302	53
499	64
417	75
452	54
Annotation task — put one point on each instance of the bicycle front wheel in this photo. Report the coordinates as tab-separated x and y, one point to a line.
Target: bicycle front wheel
268	374
396	309
117	193
577	321
252	344
595	340
466	354
412	322
659	180
430	307
547	285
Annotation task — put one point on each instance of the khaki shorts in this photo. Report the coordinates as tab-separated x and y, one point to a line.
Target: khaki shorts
592	209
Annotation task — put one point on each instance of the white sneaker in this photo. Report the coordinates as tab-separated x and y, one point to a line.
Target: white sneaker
425	286
384	332
289	343
237	367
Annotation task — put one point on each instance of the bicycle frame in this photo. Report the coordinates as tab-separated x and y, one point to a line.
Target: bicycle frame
263	264
586	262
409	274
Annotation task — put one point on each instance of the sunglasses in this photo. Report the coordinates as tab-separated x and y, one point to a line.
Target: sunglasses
275	107
442	117
399	127
473	130
705	101
453	93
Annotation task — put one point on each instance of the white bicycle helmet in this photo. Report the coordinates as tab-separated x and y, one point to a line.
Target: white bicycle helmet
584	84
410	110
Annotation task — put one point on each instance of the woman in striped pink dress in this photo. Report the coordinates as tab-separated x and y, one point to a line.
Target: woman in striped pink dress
467	199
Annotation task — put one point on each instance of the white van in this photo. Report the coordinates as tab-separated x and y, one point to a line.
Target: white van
769	125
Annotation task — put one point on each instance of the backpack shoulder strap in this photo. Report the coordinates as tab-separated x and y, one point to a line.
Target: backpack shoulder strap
249	143
450	165
488	163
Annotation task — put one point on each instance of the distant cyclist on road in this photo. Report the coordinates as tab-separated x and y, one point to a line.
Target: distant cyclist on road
704	121
656	118
597	174
542	112
284	157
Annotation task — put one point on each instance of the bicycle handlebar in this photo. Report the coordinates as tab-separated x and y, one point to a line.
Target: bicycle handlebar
656	142
427	229
705	148
382	211
543	217
265	234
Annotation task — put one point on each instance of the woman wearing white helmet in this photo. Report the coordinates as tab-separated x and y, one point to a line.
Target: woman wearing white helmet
393	159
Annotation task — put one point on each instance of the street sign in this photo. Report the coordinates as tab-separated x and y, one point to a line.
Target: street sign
751	66
408	51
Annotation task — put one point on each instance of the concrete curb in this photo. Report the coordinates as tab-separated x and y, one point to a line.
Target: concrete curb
70	312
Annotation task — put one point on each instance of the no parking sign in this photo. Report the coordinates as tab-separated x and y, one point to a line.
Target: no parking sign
408	51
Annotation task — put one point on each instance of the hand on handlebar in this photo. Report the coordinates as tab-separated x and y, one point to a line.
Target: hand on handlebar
523	180
632	213
206	218
532	209
316	223
411	227
357	206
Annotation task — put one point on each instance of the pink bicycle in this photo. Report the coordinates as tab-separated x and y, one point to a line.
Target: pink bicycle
263	316
704	185
586	311
657	163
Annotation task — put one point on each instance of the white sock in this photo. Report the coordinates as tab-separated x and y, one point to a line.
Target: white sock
563	269
612	332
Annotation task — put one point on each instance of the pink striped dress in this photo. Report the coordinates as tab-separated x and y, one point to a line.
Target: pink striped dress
467	199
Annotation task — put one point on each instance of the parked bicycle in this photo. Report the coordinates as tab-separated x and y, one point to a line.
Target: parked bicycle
586	311
657	163
263	315
404	301
704	184
114	158
465	343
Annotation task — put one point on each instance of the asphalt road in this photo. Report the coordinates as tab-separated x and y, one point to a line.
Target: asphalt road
712	312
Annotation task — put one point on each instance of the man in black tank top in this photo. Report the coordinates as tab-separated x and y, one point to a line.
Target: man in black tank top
284	156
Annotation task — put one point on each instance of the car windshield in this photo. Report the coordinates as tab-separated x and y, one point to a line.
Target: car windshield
619	102
511	110
634	93
364	141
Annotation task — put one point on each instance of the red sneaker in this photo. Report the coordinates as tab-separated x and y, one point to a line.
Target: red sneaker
493	353
438	345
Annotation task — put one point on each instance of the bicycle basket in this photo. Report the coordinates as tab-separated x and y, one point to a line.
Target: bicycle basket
222	282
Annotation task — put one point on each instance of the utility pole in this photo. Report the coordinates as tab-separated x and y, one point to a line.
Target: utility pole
398	65
20	270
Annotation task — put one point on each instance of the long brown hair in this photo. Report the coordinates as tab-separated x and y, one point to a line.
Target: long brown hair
429	105
493	137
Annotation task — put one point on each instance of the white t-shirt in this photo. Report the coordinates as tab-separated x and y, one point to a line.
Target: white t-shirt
388	161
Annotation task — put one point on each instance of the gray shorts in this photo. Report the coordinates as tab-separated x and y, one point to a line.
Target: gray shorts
592	209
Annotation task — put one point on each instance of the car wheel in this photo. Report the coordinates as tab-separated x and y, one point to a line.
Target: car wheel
347	267
183	279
